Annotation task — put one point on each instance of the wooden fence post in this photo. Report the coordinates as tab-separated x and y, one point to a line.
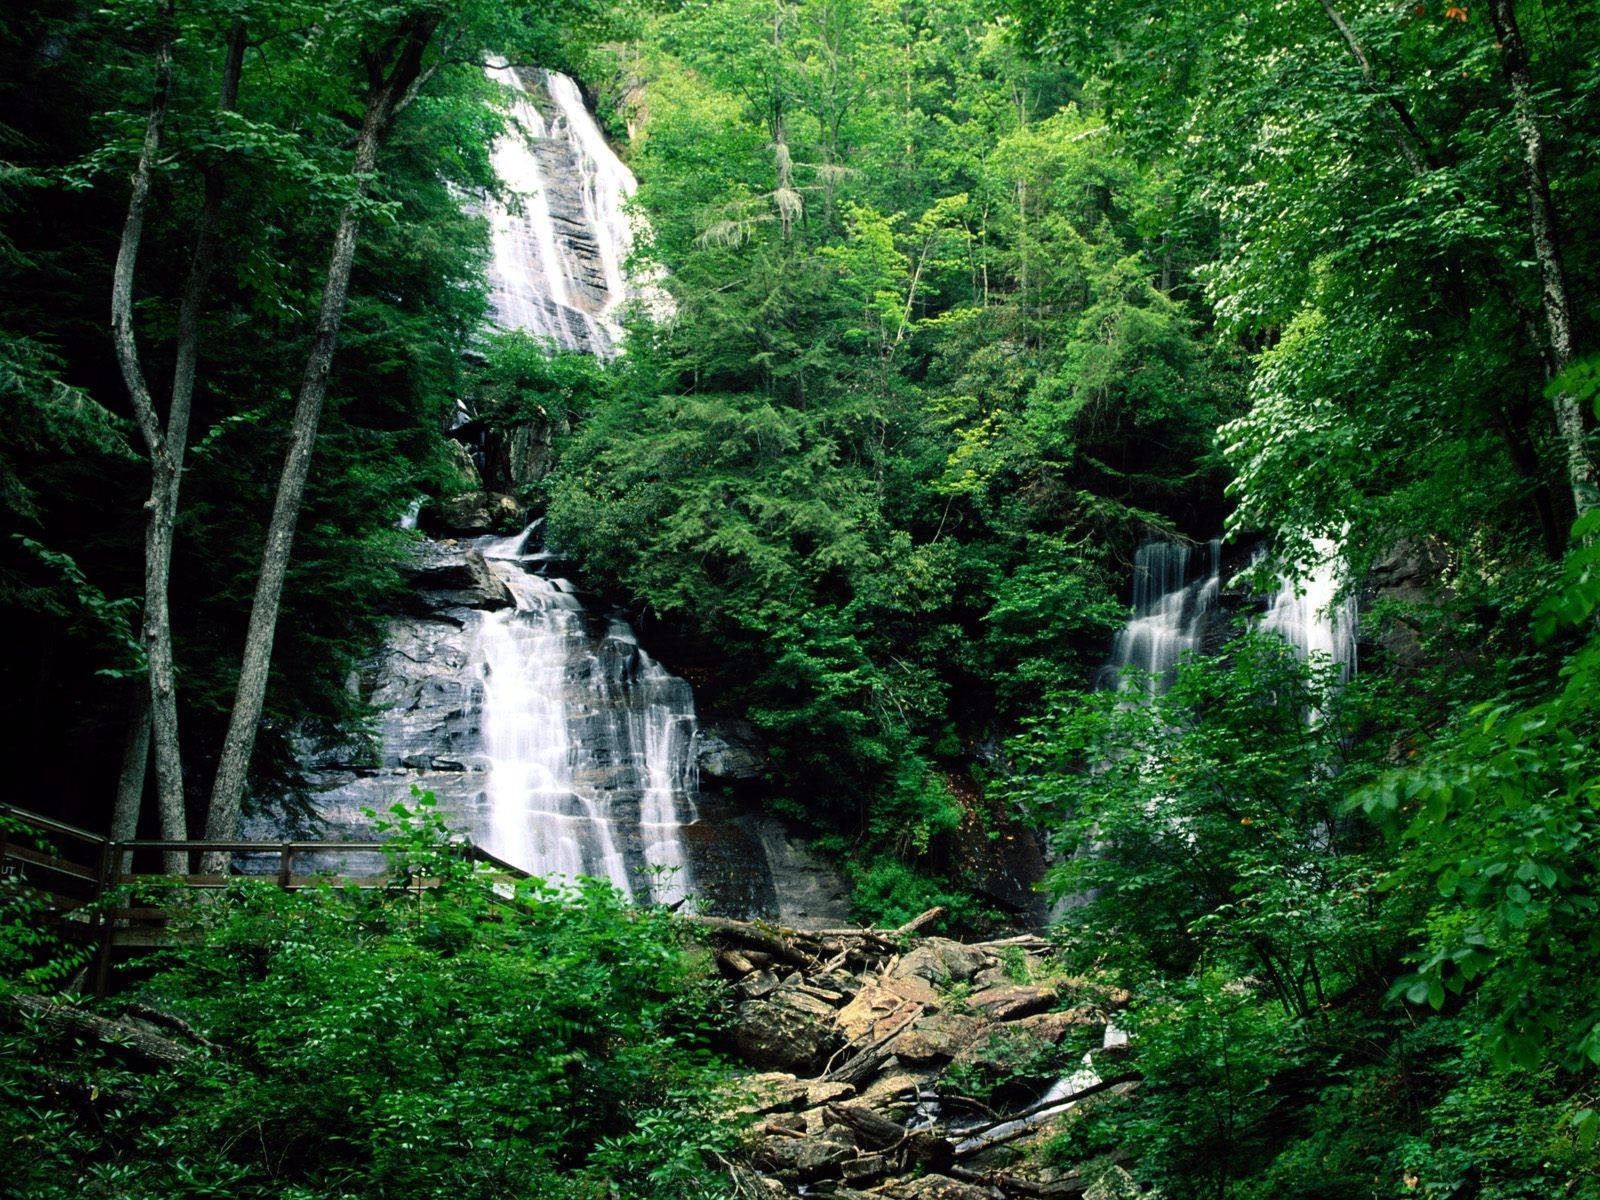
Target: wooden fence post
108	924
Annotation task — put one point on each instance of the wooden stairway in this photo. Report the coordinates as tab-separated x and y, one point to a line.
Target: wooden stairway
79	877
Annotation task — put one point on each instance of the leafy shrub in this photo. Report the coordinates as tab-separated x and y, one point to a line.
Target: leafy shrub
454	1041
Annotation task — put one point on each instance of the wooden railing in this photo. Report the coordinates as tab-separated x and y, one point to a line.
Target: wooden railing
81	871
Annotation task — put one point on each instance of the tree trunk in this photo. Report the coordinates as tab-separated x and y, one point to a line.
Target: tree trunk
135	765
227	794
1408	138
159	717
156	635
1546	229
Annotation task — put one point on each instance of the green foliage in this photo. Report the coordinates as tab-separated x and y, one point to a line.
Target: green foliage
459	1040
1008	1065
888	892
918	387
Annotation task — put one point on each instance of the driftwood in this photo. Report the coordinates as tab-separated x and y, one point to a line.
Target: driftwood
865	1063
1014	1127
873	1130
769	939
921	919
133	1041
1068	1187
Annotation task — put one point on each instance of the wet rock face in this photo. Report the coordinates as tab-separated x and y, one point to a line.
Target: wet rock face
428	688
730	750
444	576
808	891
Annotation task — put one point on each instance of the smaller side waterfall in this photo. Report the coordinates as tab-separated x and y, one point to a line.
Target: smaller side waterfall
1175	590
1305	614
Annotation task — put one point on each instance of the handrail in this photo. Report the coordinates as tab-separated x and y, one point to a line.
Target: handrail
51	825
111	859
203	845
252	847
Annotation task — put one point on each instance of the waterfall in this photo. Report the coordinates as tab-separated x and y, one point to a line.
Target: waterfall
1175	590
589	742
560	247
1305	614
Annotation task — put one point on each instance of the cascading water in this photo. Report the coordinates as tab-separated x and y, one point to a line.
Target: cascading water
1175	590
1308	617
589	741
559	265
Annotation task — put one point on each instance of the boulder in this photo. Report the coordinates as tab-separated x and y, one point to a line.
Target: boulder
1054	1026
880	1005
814	1156
473	514
937	1037
788	1031
895	1087
780	1092
757	985
942	962
730	750
942	1187
464	467
1011	1001
447	575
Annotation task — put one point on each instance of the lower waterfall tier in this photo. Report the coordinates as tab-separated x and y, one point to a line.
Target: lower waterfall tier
552	739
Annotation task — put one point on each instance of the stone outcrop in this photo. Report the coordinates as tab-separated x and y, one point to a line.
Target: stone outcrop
446	575
808	890
473	514
878	1032
730	751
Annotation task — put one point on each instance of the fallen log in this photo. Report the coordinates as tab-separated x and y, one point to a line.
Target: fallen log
1068	1187
873	1130
140	1045
1015	1127
770	939
921	919
861	1067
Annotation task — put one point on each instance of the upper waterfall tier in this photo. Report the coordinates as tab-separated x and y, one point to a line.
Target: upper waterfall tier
1310	615
560	244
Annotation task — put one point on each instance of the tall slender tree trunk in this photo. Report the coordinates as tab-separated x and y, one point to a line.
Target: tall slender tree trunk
173	825
1546	229
227	796
1408	137
159	718
1413	147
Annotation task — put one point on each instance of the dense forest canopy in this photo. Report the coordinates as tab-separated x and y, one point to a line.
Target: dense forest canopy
968	300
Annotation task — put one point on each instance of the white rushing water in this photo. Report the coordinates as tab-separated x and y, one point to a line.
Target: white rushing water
1306	614
590	742
560	248
1175	590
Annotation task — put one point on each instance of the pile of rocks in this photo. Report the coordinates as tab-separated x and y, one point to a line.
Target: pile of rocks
861	1041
